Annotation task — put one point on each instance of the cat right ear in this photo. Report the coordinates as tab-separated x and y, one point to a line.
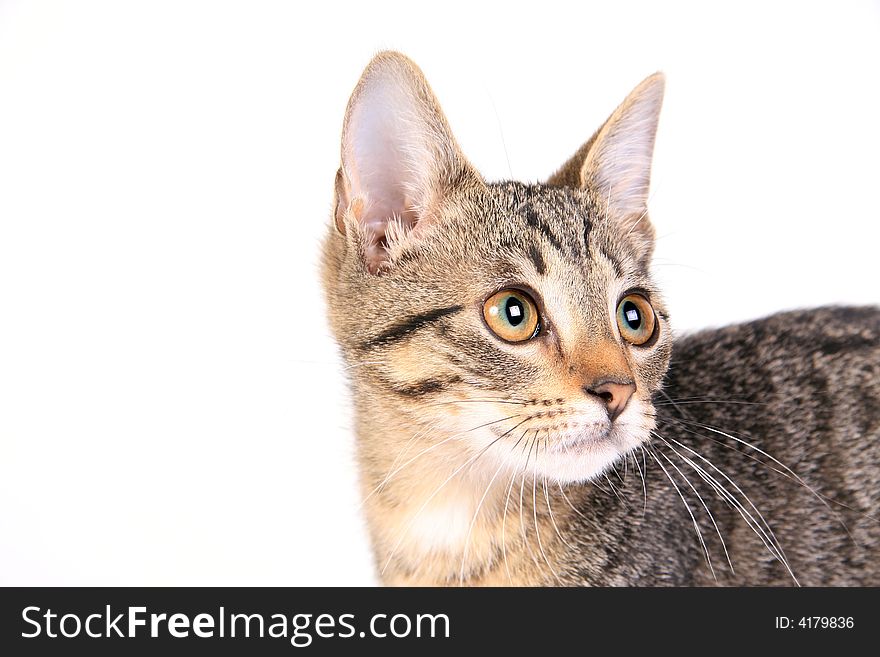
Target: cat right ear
616	162
398	159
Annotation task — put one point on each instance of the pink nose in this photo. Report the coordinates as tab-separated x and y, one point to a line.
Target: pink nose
613	394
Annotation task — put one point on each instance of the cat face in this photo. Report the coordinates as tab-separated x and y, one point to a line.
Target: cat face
515	323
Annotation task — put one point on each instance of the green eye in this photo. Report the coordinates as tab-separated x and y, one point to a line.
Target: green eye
512	315
635	319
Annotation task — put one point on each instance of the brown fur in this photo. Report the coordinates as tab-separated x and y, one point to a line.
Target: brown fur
484	462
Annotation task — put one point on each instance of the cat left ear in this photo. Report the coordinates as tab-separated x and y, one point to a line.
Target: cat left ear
398	158
616	162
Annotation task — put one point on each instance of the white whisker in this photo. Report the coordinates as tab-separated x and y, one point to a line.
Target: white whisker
504	515
537	528
568	501
702	502
474	522
392	472
644	481
522	483
768	538
690	513
550	512
412	520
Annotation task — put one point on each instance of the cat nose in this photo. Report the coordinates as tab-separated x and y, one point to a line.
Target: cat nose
613	394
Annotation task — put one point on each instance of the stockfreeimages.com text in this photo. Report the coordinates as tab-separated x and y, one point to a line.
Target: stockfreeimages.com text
300	629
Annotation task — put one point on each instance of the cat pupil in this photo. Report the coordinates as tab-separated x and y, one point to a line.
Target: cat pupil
514	311
632	315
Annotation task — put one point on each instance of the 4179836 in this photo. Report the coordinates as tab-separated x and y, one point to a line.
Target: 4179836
815	623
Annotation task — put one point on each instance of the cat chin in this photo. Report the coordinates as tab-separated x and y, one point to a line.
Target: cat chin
585	451
579	468
578	461
581	455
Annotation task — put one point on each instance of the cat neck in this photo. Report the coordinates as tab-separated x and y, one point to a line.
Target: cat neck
435	519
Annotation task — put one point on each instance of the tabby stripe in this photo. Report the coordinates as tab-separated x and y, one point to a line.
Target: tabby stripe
588	226
537	259
850	343
477	351
410	325
618	268
533	221
426	387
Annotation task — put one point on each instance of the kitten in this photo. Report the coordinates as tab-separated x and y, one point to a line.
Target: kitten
523	414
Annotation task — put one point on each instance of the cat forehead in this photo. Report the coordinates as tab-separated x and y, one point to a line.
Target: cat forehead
511	209
522	217
522	198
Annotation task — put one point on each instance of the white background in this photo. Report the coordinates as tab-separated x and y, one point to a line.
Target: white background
171	410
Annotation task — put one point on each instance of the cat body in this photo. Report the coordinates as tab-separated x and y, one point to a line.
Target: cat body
523	412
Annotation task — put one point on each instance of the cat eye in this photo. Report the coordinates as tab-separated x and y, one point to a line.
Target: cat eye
512	315
635	319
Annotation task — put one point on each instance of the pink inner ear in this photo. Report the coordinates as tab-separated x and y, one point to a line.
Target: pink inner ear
396	150
380	146
375	220
619	162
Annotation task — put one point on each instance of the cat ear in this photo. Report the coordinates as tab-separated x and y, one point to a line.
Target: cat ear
616	162
398	158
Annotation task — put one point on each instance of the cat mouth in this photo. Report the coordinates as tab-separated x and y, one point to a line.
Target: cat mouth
589	435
